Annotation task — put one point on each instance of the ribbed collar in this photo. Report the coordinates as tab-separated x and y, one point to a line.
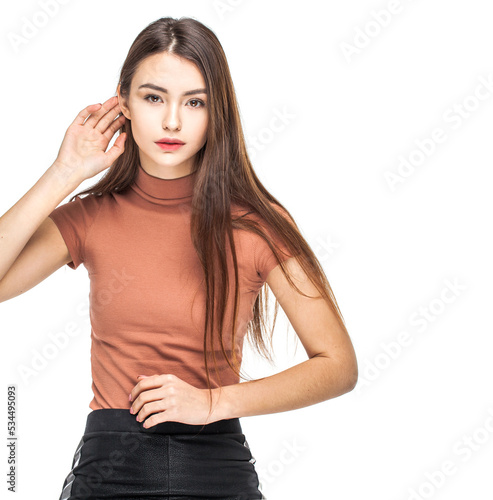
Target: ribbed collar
159	190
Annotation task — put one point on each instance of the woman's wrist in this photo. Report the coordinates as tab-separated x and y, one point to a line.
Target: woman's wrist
66	179
222	406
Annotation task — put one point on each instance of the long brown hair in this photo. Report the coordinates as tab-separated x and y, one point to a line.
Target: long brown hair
224	176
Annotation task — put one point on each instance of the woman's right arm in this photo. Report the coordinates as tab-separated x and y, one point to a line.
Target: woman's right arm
31	246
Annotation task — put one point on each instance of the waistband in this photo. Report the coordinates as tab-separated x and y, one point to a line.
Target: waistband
121	420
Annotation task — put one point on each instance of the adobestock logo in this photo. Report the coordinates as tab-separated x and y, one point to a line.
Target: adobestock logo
364	35
454	117
58	342
89	484
325	248
466	447
266	135
31	27
104	296
420	319
277	467
223	7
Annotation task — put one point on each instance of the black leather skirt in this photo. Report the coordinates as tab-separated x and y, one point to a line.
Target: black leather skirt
118	458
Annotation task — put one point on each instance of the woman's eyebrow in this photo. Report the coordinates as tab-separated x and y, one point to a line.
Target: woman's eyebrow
165	91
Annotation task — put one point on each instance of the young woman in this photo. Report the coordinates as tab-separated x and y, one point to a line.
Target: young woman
180	239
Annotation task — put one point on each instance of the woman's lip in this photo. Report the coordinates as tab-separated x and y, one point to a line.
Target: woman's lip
169	146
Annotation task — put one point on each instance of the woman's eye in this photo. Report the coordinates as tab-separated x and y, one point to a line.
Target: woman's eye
150	97
195	103
202	104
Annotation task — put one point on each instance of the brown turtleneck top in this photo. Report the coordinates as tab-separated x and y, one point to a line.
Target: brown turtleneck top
147	303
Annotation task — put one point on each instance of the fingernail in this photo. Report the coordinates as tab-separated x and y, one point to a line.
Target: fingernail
130	397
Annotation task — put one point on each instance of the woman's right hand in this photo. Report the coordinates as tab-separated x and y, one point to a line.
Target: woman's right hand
82	153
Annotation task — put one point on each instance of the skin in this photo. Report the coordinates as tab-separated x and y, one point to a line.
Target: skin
331	369
155	114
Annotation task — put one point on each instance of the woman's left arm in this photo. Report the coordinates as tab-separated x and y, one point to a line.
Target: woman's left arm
330	371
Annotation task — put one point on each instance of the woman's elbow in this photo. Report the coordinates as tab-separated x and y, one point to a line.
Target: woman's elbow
350	373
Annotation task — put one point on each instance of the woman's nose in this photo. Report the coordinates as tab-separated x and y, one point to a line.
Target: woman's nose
171	118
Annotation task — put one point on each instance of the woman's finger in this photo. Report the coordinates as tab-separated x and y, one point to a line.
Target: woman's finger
116	150
151	394
96	116
110	124
150	408
114	127
106	120
81	117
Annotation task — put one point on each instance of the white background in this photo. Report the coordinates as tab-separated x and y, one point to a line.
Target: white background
389	254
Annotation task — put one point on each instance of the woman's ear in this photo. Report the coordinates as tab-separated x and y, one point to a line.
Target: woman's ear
121	102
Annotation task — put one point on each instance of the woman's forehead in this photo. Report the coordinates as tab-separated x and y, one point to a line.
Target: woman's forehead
170	72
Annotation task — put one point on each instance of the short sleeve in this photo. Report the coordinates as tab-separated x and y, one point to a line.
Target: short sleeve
74	220
265	260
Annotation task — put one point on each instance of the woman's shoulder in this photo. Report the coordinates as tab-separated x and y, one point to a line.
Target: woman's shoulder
249	212
80	210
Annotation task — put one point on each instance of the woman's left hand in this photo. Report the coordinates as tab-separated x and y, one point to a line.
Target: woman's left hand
170	398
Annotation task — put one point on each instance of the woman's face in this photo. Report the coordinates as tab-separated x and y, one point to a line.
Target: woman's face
167	100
